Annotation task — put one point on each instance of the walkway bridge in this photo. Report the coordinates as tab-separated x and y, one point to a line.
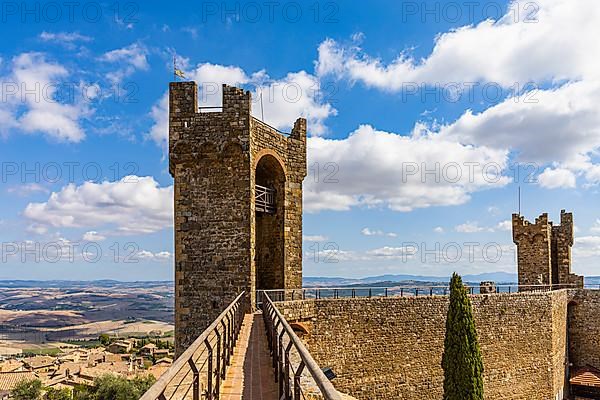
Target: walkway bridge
245	355
258	356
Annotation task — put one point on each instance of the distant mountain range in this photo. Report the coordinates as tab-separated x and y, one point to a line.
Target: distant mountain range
104	283
386	280
308	281
498	277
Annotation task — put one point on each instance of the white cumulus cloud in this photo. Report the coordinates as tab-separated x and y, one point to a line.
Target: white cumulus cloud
30	100
132	205
373	168
297	94
129	60
557	178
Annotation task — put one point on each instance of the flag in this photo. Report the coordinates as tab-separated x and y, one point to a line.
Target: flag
179	73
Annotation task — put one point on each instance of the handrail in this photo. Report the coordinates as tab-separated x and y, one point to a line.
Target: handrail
403	291
276	327
226	330
272	127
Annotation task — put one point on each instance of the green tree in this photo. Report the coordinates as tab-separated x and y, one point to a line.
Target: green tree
462	363
82	392
143	383
58	394
114	387
27	389
104	339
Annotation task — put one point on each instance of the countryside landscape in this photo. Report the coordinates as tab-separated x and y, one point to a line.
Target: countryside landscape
300	199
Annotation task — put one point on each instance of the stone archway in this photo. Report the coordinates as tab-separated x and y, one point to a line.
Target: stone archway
269	251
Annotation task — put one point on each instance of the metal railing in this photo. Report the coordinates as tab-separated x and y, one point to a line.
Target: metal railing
400	291
291	359
264	199
199	371
271	127
210	108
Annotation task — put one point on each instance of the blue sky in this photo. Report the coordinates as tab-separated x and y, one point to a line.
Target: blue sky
391	90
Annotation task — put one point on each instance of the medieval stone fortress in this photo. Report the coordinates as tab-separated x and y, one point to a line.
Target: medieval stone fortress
245	327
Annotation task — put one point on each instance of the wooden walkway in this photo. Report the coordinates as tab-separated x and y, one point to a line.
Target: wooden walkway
250	376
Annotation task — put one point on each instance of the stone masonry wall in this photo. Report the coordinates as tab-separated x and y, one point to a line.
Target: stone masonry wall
533	249
384	348
544	251
584	328
213	158
562	241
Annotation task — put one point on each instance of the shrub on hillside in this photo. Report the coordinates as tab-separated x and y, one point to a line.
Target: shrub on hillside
28	389
114	387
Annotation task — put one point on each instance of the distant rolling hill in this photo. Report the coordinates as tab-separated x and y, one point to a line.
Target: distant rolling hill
312	281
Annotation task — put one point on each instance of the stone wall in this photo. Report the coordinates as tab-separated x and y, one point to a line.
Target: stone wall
383	348
544	251
584	328
213	160
533	249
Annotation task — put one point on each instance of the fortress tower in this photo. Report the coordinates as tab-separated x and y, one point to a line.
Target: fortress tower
544	250
238	205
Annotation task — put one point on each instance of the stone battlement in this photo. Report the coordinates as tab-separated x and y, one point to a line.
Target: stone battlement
391	348
544	250
223	244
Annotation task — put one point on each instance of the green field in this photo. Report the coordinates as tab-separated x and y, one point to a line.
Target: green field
51	351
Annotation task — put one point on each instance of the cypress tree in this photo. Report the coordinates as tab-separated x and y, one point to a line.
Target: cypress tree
462	363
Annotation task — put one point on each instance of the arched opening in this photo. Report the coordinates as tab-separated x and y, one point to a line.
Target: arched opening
269	254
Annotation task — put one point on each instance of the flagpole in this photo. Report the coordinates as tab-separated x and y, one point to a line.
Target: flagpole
174	68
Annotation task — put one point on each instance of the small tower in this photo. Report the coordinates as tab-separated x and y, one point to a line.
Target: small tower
238	205
544	251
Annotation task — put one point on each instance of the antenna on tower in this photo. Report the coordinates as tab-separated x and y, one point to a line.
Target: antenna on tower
174	68
262	111
176	71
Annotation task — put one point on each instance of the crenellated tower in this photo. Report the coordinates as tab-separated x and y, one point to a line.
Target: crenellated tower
238	205
544	250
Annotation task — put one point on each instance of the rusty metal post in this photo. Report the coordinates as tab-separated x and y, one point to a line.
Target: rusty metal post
297	374
225	346
210	370
230	328
287	371
196	380
218	360
279	370
275	349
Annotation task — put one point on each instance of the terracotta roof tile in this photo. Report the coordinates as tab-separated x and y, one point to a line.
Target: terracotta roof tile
586	376
8	380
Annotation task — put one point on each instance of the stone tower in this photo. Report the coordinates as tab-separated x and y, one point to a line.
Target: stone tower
544	250
238	205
